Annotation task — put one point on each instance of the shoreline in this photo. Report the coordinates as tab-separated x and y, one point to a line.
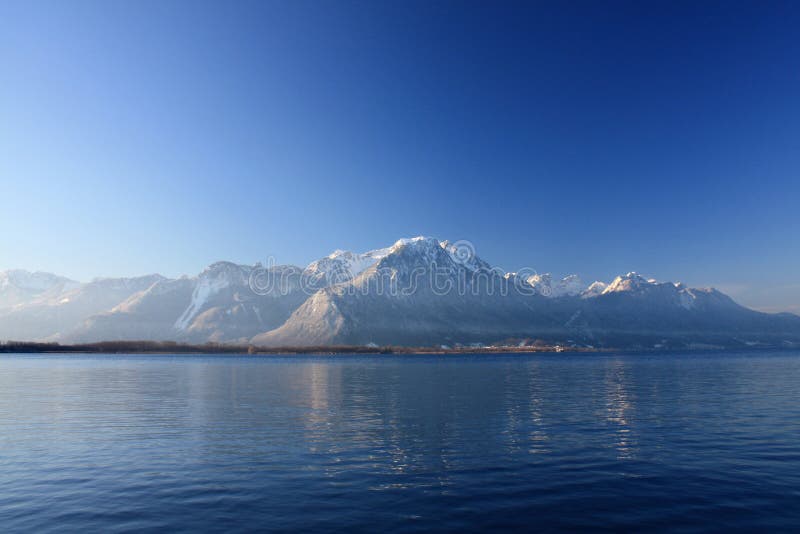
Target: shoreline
152	347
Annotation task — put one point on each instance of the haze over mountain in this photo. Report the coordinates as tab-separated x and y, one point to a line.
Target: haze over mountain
418	291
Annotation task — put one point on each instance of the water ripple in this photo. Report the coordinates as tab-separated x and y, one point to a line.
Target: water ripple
544	442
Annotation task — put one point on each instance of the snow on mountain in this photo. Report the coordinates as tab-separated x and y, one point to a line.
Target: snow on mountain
211	281
226	302
31	281
417	291
628	282
595	289
687	296
569	286
147	314
635	283
463	253
50	315
629	311
343	265
422	292
18	286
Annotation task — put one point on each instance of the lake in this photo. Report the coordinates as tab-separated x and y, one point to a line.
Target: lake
673	442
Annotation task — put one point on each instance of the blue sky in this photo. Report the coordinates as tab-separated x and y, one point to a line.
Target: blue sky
586	137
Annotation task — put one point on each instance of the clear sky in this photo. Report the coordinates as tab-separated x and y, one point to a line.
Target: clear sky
588	137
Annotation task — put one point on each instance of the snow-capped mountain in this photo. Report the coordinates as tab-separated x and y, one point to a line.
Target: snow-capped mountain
639	286
417	291
22	287
215	279
631	310
343	265
569	286
225	302
629	282
422	291
595	289
50	316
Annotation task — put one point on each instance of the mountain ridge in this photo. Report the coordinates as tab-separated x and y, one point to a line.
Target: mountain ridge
417	291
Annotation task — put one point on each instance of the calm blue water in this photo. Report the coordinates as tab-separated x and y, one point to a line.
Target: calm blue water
545	442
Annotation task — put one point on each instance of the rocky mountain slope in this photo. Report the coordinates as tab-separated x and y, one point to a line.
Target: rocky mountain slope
419	291
485	306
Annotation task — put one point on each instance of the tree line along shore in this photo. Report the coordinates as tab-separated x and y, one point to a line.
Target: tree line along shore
170	347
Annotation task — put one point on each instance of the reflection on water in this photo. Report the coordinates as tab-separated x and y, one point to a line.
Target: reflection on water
620	407
381	443
537	435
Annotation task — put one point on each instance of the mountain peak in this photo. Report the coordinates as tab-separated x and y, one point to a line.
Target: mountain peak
219	267
354	301
569	286
31	280
18	286
343	265
418	240
629	282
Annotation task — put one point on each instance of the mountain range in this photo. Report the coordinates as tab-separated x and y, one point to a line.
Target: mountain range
419	291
